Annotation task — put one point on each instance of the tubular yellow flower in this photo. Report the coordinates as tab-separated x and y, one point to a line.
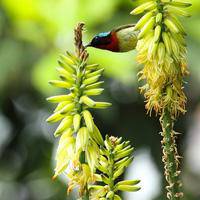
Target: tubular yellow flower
162	50
65	152
80	175
163	55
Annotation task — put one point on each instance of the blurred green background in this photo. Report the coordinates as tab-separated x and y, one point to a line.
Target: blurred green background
32	35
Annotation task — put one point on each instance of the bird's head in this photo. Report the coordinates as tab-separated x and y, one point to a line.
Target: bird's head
106	40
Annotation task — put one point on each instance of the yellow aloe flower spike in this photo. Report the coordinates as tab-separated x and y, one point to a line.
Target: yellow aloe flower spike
162	50
79	137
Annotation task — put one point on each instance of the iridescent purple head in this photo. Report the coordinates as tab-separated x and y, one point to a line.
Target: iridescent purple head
106	40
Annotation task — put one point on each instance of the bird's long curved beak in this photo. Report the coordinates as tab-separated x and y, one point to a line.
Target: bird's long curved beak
88	45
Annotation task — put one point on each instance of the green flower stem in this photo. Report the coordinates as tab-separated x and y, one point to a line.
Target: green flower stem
170	157
82	54
111	172
86	195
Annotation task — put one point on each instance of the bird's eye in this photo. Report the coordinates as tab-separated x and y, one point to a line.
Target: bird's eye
101	39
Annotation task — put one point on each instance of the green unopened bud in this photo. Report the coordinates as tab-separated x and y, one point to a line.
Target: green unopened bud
68	133
105	179
92	66
67	63
128	188
157	33
60	98
74	58
108	147
86	100
120	162
119	172
65	123
104	151
178	11
128	182
76	122
117	197
161	53
152	50
124	149
102	169
60	84
110	195
124	153
65	74
118	141
93	92
94	85
119	147
88	120
54	118
127	162
95	73
178	24
179	4
159	18
82	139
103	163
145	6
175	47
167	42
147	27
180	38
91	80
61	105
98	177
143	20
102	105
171	26
65	148
95	187
96	135
92	155
69	107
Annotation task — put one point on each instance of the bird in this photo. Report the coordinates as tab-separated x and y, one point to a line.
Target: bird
120	39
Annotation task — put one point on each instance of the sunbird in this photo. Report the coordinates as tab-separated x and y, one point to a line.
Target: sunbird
121	39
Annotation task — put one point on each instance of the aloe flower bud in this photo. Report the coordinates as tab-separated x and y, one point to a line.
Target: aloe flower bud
114	158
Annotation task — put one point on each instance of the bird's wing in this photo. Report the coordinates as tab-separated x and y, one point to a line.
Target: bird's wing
123	27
